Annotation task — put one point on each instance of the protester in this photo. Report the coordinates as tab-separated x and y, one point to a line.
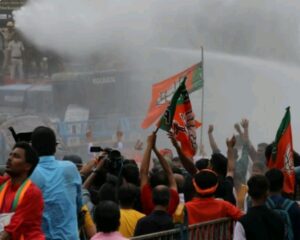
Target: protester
162	177
204	207
288	209
87	228
107	219
60	184
17	195
259	222
129	217
159	219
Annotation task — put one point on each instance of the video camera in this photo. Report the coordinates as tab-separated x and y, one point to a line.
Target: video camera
113	159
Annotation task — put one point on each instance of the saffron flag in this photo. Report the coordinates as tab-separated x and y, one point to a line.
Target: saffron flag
282	153
180	118
163	91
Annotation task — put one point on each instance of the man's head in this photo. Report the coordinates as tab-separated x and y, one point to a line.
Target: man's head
161	196
258	168
275	177
107	217
127	195
261	148
131	173
219	164
176	162
22	160
205	183
258	186
158	178
202	163
10	25
44	141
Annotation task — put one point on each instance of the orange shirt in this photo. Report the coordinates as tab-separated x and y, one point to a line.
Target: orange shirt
207	209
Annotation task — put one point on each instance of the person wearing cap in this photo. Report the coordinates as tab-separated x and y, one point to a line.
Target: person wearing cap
60	184
204	207
16	51
19	217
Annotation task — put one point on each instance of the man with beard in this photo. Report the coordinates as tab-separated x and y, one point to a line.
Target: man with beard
21	201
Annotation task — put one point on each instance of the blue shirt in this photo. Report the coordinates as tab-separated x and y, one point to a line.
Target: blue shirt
60	184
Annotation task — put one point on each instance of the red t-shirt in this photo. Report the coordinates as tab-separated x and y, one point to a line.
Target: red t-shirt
147	204
207	209
27	220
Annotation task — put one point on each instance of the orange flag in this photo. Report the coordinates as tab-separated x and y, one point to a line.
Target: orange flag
162	92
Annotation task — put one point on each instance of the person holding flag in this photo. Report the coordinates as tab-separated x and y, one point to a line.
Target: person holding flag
282	155
179	118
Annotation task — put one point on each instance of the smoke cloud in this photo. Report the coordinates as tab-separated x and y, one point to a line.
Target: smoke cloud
263	28
237	86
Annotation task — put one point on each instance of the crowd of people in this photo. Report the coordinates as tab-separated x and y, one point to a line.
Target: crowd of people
110	197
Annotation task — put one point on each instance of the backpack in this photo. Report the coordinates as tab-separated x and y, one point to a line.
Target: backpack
282	209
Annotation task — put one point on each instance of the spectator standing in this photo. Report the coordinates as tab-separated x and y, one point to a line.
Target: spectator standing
16	52
60	183
204	207
259	223
17	195
107	219
163	177
279	203
129	217
159	219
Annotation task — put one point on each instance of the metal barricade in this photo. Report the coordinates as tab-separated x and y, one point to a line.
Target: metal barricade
221	229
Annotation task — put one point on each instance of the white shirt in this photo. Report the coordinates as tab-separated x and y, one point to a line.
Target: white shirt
16	48
239	232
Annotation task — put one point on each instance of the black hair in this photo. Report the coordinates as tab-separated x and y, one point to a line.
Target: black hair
127	195
129	161
161	195
131	174
275	177
31	156
219	164
158	178
188	188
205	180
296	159
107	217
258	186
108	191
202	163
44	141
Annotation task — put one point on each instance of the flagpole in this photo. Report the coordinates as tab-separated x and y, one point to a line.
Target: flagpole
202	103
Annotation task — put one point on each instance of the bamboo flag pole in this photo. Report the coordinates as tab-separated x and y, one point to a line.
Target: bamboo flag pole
202	103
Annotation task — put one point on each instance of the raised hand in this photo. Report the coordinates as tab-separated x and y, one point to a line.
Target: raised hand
210	129
230	142
238	128
245	123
